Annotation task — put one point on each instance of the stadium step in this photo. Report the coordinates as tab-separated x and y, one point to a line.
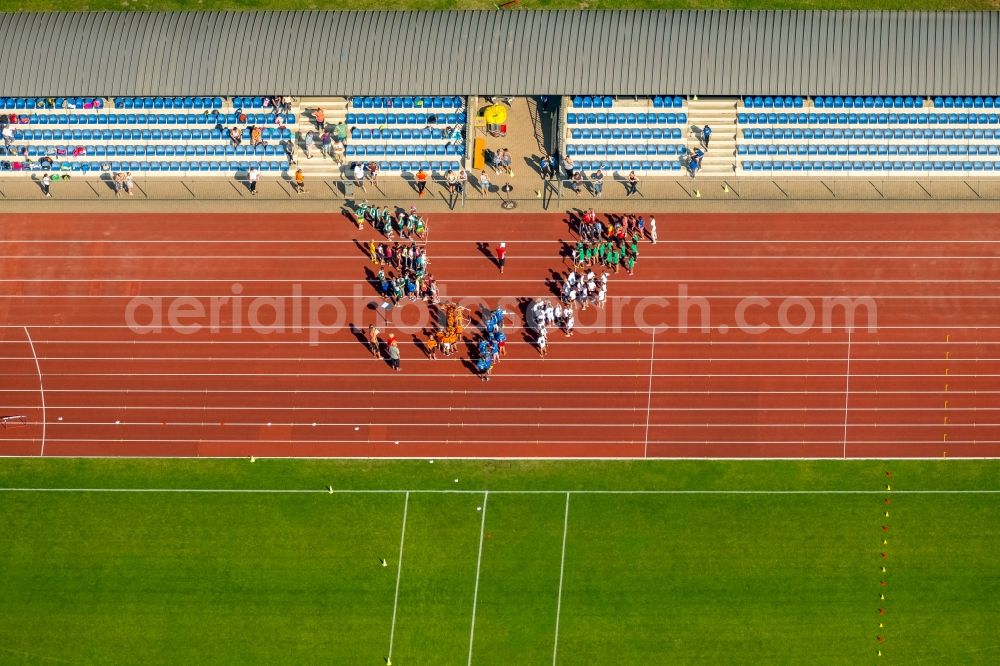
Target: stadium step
720	115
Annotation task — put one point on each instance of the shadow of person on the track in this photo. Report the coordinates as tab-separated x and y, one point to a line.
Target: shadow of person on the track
361	336
523	308
574	218
484	248
553	281
371	279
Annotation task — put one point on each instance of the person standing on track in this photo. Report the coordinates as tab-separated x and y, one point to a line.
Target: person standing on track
373	341
652	229
393	354
502	256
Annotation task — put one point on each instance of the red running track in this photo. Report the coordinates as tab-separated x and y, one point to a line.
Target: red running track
631	383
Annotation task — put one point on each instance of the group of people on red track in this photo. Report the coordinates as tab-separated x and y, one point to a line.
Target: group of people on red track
610	244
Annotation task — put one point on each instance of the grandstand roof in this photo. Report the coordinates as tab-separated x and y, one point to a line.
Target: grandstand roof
505	52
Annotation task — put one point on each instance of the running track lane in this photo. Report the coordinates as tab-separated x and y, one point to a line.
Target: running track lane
925	383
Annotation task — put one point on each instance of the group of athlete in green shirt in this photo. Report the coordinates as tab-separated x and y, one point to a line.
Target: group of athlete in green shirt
610	253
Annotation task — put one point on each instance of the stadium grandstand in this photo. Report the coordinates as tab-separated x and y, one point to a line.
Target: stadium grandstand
800	93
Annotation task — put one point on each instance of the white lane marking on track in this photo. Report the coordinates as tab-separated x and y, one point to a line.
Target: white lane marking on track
41	388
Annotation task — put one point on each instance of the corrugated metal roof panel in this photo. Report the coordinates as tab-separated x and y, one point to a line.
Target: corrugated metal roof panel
517	52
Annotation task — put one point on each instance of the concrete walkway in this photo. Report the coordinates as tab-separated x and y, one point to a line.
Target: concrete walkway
682	195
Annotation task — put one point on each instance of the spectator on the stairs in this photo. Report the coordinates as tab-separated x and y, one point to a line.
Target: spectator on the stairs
338	151
326	143
256	136
290	151
706	134
309	142
694	160
319	117
235	137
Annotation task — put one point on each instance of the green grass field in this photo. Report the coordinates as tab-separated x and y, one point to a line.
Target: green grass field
223	5
713	566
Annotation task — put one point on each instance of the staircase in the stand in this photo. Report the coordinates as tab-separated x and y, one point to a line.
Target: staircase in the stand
720	115
335	111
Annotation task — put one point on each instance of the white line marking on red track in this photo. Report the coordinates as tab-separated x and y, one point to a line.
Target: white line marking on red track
41	388
399	571
469	375
562	566
472	257
521	409
649	391
847	390
479	561
281	241
458	359
461	442
480	423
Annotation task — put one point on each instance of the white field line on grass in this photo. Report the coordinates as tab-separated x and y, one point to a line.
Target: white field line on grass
41	388
479	561
454	491
399	571
562	567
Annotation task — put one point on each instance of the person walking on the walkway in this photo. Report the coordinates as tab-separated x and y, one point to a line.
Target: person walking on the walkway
484	183
421	179
46	184
394	357
129	183
300	181
502	256
632	184
252	177
706	134
598	179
